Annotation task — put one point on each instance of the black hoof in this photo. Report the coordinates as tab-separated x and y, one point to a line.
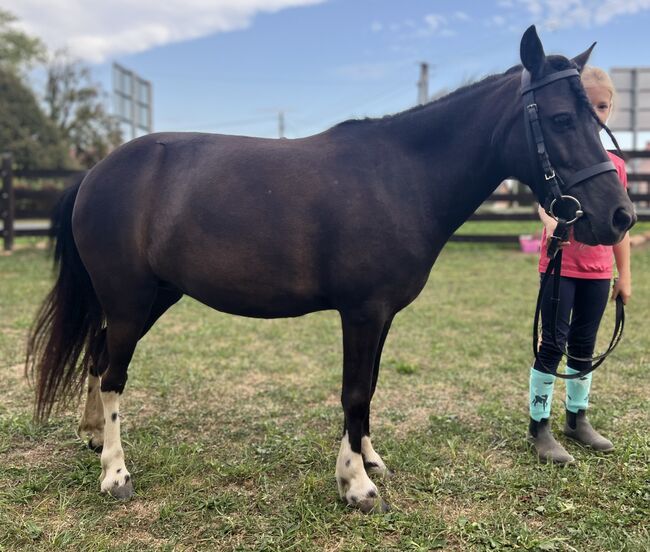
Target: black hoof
123	492
376	506
374	469
372	504
95	448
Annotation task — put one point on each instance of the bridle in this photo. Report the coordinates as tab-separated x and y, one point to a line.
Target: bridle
558	204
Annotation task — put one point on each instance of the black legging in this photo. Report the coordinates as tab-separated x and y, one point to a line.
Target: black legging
583	302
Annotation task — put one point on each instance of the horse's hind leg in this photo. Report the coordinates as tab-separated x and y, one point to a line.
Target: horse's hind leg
361	337
92	420
126	319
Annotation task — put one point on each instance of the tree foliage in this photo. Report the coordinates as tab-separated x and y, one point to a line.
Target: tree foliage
75	105
18	51
25	131
74	130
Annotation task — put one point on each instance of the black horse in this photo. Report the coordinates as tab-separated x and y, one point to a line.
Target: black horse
351	219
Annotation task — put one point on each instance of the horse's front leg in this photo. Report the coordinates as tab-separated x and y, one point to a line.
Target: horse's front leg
361	337
371	460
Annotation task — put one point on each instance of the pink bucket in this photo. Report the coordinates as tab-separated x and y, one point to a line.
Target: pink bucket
530	244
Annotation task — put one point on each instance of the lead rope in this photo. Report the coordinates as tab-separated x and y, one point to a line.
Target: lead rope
554	253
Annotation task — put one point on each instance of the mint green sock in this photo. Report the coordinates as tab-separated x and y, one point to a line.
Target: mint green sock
540	394
577	391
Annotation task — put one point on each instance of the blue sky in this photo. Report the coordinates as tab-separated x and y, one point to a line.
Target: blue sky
230	65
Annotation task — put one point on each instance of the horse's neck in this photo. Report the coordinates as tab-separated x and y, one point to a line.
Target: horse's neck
453	139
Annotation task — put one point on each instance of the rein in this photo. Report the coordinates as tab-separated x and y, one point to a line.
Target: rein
566	209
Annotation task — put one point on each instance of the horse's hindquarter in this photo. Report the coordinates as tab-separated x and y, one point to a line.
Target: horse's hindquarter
273	228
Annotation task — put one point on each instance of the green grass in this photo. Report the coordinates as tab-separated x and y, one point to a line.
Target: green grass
231	429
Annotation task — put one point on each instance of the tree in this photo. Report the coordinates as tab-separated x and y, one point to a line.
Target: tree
25	131
75	131
18	51
75	105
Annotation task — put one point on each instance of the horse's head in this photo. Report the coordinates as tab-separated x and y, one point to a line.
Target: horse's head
571	138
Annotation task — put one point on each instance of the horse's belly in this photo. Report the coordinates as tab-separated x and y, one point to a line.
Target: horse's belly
256	302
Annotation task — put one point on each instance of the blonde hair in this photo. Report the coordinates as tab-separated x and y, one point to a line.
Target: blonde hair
595	76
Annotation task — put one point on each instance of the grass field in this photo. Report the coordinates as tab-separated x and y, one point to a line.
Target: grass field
231	428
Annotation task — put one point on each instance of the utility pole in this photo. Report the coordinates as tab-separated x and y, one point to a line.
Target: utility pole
423	83
281	124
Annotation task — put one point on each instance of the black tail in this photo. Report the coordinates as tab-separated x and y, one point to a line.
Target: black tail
67	323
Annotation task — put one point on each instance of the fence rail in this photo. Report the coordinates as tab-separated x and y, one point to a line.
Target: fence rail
20	204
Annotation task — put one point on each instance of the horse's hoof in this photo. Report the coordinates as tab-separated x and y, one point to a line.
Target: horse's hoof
378	470
122	492
370	504
95	448
373	506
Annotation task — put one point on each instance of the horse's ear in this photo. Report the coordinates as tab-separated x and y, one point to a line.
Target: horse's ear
581	60
532	53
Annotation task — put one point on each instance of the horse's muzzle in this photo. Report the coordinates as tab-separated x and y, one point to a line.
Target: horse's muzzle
623	219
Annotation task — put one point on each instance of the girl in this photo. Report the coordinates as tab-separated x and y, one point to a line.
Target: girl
586	275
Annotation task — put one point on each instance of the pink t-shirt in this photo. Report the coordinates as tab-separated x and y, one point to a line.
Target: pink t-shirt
586	261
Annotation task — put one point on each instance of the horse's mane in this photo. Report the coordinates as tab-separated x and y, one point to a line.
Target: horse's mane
558	63
470	87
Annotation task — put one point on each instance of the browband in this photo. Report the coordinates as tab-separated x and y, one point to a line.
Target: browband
527	86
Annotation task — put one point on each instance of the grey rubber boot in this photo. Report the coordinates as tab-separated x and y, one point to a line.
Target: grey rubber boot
546	447
578	428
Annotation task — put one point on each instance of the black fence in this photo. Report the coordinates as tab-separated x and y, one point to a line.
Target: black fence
25	211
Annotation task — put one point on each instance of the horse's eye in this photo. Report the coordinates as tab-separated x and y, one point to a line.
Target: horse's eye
563	121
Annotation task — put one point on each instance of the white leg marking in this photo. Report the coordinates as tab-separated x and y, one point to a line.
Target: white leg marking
115	478
373	462
353	482
92	420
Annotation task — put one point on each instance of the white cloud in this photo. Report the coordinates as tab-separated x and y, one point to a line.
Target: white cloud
115	27
613	8
376	26
562	14
435	21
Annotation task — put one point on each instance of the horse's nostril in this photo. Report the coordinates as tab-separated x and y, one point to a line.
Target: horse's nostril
623	220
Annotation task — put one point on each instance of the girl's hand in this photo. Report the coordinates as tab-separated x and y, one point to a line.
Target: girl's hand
550	228
622	287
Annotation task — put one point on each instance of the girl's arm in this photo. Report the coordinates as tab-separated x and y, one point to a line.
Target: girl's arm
623	286
549	223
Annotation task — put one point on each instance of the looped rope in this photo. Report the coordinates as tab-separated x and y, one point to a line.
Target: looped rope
555	267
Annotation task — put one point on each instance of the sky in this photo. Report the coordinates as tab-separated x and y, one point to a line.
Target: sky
231	66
